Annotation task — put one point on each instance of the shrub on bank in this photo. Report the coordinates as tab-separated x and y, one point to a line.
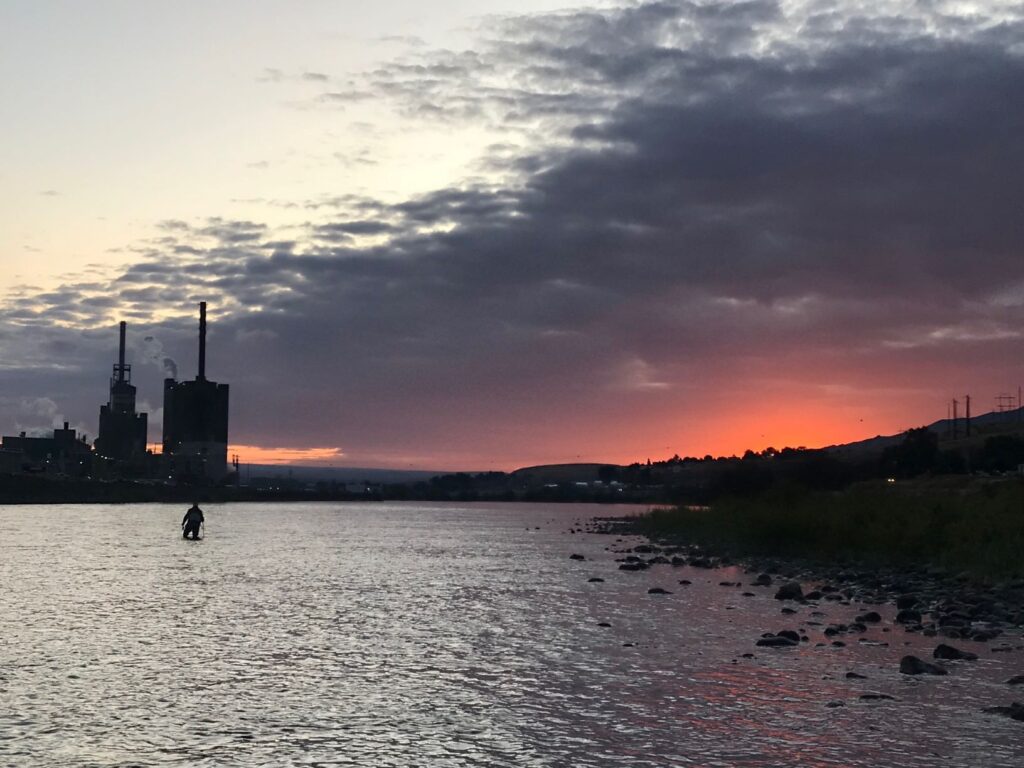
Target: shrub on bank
960	526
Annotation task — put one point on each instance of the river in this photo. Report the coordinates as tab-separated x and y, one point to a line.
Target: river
420	634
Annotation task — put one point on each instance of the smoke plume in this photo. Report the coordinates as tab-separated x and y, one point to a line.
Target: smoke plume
153	352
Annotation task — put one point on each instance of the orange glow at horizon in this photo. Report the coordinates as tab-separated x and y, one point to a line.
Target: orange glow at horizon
786	424
259	454
779	421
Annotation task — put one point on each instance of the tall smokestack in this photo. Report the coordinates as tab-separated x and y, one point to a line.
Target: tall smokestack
120	354
202	341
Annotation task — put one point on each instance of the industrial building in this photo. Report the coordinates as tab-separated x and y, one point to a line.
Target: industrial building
122	431
195	439
63	453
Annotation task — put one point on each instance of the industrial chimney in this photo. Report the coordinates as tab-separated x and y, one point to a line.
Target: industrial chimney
195	439
202	341
120	354
122	433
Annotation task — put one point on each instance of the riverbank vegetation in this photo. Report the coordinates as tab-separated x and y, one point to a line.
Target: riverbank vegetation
958	524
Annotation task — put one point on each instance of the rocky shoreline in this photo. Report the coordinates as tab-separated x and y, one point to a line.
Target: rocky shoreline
927	601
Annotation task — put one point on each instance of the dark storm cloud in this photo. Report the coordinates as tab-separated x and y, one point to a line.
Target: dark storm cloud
347	228
722	186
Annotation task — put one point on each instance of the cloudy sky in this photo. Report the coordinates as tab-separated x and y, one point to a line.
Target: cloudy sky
489	234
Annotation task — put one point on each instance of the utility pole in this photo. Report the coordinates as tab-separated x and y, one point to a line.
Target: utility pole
967	417
956	403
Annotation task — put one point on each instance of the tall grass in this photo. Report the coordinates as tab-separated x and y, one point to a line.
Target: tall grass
960	526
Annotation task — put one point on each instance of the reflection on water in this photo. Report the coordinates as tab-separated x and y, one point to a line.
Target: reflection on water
439	635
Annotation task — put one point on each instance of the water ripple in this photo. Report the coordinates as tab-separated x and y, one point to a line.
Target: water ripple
433	635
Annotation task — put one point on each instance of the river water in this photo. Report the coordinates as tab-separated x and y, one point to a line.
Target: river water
437	635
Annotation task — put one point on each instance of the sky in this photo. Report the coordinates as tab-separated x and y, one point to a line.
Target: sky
492	234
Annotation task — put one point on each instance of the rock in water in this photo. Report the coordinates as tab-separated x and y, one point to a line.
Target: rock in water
871	617
658	591
577	557
908	616
790	591
911	665
1016	680
1015	711
777	641
943	651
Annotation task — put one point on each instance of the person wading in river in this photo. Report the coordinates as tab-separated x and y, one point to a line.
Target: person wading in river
191	521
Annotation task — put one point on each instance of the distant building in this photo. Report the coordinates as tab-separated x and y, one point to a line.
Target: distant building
64	452
195	439
122	431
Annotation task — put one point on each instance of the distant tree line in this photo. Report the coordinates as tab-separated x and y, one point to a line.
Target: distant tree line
701	480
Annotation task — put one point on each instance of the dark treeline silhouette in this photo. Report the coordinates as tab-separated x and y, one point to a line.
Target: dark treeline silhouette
693	480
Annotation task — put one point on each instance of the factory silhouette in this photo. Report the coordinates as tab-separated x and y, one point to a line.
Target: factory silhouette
195	433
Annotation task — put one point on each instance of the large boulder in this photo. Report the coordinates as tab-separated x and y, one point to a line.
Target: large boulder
984	635
790	591
911	665
943	651
1015	711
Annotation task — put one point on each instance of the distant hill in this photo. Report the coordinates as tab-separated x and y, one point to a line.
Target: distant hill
559	473
982	426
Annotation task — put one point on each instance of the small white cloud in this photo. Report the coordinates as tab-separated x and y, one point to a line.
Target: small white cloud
639	375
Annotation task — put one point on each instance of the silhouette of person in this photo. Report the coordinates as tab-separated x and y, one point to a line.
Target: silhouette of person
191	521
